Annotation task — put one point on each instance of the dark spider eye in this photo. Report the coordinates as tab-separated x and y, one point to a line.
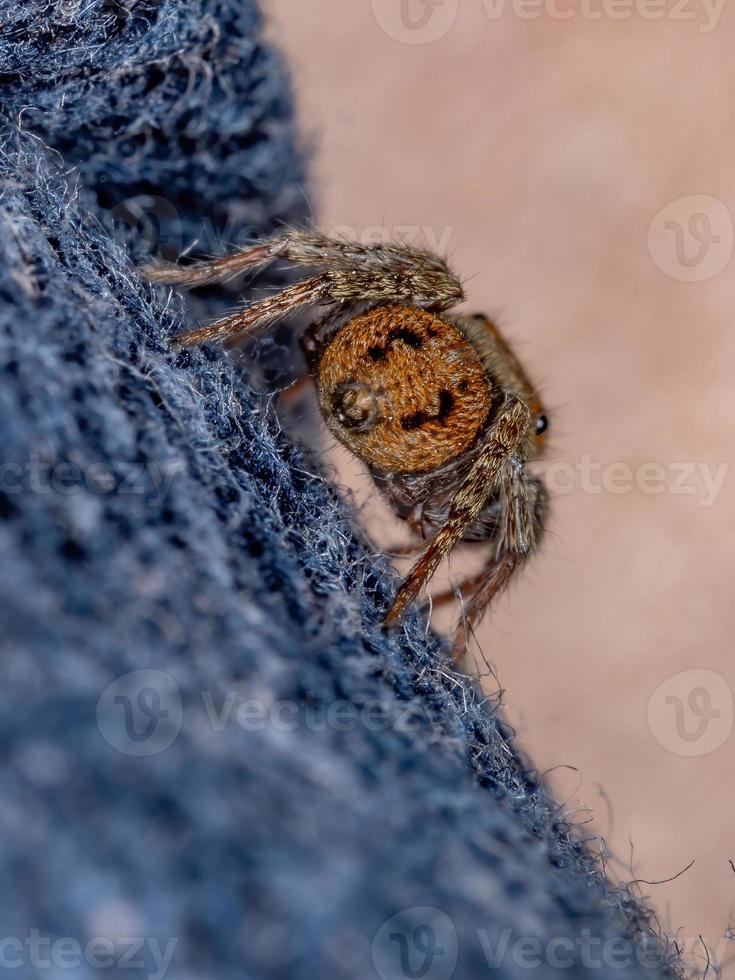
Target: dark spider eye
542	424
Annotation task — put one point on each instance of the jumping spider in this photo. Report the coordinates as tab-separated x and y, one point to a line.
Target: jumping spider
435	404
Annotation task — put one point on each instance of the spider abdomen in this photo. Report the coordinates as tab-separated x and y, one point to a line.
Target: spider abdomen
403	389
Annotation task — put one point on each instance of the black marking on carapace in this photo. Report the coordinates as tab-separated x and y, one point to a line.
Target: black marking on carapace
418	420
407	336
463	385
446	404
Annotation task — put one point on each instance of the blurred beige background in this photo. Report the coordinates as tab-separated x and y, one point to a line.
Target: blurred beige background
577	161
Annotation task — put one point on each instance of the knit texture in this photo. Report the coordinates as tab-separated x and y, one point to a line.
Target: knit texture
216	763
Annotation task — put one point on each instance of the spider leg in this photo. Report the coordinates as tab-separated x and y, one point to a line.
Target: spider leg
258	315
381	273
293	393
298	248
214	270
464	589
391	273
489	583
508	431
524	507
349	274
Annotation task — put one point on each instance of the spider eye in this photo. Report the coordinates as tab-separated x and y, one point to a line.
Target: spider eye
542	424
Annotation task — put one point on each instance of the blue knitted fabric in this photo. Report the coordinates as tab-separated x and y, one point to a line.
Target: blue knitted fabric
216	766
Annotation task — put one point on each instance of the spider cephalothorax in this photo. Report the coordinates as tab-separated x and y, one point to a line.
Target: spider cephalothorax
402	389
435	404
